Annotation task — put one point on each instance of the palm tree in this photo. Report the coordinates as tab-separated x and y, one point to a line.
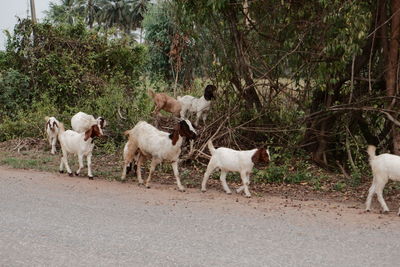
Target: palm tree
68	11
116	13
92	10
139	9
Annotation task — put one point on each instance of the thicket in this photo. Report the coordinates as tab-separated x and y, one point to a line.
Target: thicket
314	80
58	70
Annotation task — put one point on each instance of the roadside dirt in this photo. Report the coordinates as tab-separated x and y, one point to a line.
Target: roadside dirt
34	154
315	210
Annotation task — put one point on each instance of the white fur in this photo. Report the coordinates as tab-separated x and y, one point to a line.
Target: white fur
154	144
52	129
227	160
384	167
200	106
74	143
81	122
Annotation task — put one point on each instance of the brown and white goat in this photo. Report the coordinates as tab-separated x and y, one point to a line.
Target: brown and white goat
80	144
52	129
147	142
227	160
164	102
81	122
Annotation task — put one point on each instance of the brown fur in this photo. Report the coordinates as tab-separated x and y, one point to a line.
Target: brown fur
165	102
92	132
260	156
181	129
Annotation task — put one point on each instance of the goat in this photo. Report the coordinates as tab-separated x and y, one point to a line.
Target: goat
227	159
81	122
165	102
80	144
200	106
52	129
146	141
384	167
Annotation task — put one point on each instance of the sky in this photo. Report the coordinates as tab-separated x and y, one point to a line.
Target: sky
18	8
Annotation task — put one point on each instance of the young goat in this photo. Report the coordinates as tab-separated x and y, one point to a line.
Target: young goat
237	161
52	129
165	102
200	106
158	145
80	144
81	122
384	167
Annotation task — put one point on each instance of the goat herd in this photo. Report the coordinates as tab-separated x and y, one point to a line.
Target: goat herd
147	142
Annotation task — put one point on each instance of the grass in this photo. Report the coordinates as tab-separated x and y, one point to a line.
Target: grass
22	163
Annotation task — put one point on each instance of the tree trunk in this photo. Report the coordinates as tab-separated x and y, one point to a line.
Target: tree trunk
392	61
242	64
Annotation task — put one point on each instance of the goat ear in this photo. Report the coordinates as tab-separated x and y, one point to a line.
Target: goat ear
88	134
257	156
174	136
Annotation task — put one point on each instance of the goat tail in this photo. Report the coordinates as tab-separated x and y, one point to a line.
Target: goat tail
151	93
127	132
371	151
211	147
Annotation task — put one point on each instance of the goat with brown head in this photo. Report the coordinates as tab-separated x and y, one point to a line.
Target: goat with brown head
93	132
185	129
261	156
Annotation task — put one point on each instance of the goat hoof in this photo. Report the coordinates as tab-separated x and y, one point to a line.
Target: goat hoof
203	190
90	177
229	193
148	186
248	196
70	174
385	212
61	171
76	173
367	210
182	189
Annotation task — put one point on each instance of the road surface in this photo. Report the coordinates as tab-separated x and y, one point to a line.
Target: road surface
48	219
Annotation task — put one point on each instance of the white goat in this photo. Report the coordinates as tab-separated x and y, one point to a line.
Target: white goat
52	129
146	141
81	122
200	106
80	144
227	159
384	167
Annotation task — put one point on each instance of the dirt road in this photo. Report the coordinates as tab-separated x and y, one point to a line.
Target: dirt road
53	220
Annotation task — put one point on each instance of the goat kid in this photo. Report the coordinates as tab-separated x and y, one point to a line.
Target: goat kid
200	106
52	129
227	160
384	167
81	122
147	142
80	144
165	102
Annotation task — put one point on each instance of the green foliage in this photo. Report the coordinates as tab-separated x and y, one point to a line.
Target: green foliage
159	29
14	92
69	69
